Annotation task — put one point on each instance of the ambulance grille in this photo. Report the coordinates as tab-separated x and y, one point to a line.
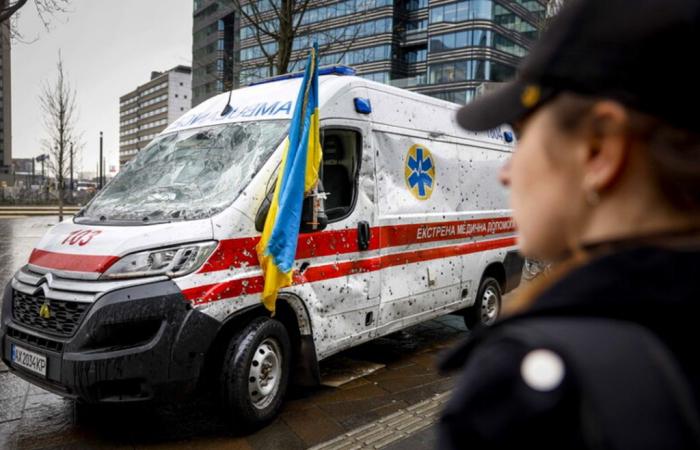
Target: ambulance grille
64	317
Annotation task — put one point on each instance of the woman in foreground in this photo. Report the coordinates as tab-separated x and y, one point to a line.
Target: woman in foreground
605	181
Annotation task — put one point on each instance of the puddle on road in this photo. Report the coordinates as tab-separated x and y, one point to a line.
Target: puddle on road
342	370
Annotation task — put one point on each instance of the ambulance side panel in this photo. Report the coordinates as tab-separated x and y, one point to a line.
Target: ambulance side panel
435	248
419	279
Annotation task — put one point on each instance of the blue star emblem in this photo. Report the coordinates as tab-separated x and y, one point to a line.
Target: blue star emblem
420	176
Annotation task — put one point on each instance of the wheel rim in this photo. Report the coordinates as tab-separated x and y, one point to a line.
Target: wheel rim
489	306
265	373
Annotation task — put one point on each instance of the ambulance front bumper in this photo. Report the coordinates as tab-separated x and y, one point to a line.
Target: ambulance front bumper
139	343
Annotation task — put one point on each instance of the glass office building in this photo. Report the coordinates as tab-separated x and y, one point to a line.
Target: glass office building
5	100
214	48
441	48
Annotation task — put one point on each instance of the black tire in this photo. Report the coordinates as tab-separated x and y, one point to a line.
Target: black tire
257	348
487	306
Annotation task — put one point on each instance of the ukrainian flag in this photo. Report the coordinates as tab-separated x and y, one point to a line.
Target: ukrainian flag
298	175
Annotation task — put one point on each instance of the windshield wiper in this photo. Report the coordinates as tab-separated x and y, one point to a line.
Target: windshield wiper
102	220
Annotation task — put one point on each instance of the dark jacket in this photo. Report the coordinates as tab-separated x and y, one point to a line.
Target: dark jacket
654	286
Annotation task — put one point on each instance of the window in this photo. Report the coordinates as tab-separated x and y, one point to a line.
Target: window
462	11
506	45
250	75
360	56
468	70
339	34
250	31
475	38
380	77
462	96
261	6
502	72
415	56
256	52
533	6
341	160
176	95
416	25
344	8
511	21
415	5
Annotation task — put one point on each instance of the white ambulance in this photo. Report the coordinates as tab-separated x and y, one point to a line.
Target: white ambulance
153	289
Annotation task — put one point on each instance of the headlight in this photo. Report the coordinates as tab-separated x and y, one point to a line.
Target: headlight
172	261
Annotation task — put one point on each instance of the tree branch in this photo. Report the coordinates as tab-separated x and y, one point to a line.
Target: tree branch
256	20
7	11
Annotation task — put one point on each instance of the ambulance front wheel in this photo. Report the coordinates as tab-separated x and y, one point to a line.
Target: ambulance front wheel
255	373
487	306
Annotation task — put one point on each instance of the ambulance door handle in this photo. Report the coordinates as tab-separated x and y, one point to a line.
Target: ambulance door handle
363	235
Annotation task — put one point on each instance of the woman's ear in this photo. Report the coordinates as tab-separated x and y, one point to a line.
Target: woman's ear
607	146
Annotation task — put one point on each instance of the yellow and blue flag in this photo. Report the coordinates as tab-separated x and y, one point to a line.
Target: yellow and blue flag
298	175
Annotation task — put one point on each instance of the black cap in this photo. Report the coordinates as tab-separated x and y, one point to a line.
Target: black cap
639	52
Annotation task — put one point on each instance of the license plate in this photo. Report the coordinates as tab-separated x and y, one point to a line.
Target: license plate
29	360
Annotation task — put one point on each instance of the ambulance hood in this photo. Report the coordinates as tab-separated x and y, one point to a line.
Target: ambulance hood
86	251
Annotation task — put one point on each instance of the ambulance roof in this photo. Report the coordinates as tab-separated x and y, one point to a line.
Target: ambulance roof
274	99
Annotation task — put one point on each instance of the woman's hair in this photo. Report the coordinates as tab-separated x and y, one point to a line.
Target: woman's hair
674	154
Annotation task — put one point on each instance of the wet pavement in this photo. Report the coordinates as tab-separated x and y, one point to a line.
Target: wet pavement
391	374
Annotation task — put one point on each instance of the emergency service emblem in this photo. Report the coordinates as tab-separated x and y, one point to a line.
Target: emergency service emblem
420	172
45	311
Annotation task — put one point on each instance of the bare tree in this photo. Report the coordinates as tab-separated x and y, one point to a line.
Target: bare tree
281	24
45	9
58	103
9	8
281	27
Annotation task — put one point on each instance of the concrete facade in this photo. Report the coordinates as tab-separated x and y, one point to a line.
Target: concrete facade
151	107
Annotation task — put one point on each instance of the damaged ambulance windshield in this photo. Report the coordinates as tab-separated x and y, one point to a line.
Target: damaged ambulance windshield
187	175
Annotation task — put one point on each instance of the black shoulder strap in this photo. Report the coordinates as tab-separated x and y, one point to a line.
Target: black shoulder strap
634	394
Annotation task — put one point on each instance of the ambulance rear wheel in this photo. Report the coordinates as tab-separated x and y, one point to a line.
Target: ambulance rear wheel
487	306
255	373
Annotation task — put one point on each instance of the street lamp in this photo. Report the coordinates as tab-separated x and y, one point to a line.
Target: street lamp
101	182
71	168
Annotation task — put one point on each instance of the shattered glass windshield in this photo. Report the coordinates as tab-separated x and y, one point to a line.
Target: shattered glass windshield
187	175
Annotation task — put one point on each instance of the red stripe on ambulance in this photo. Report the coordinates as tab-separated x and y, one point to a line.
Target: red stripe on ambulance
240	252
254	285
71	261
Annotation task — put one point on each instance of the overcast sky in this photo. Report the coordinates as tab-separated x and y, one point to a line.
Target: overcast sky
109	48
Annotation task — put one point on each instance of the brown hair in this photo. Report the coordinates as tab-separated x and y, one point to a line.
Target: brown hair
674	154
